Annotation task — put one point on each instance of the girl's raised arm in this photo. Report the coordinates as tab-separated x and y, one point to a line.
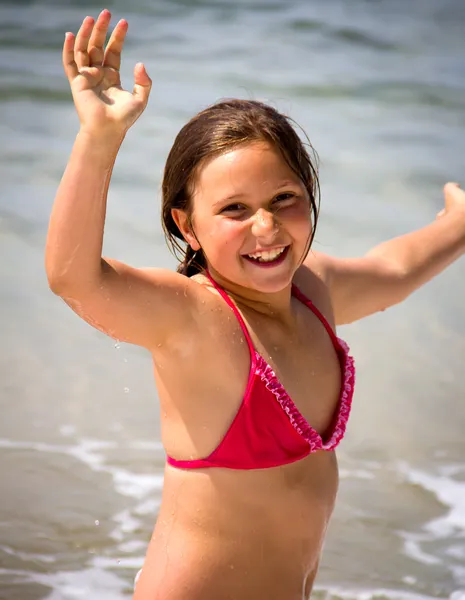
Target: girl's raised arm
391	271
134	305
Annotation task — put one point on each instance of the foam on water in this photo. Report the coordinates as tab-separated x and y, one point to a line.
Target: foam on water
27	556
92	582
380	594
105	575
442	539
450	492
355	474
90	452
129	553
73	585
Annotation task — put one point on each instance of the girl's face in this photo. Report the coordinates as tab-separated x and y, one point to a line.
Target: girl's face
251	215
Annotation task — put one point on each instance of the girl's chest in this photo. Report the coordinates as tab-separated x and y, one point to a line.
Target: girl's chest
305	361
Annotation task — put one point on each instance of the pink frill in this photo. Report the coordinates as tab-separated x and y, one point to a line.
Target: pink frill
297	420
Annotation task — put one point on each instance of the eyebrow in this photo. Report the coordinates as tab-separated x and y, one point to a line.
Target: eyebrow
242	195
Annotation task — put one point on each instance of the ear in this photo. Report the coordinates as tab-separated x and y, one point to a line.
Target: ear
182	221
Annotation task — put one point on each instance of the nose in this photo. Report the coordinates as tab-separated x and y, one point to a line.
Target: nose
264	224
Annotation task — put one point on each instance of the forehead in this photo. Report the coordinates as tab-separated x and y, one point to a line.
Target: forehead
246	169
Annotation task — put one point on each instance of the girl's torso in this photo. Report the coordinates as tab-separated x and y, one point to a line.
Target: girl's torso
224	533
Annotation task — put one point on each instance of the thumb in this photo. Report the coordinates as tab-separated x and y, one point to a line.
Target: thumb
142	83
451	184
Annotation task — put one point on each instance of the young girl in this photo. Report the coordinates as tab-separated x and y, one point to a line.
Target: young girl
255	388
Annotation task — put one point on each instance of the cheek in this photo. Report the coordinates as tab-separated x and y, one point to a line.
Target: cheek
223	233
298	217
301	210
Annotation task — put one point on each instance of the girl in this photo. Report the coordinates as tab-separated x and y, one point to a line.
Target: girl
255	388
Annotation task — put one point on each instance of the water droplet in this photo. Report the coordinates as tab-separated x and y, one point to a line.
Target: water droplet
97	522
118	561
126	390
117	345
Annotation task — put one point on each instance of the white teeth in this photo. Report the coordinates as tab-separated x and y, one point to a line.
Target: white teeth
267	255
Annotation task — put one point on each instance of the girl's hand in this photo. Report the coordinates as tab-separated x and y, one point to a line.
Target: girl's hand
93	73
454	200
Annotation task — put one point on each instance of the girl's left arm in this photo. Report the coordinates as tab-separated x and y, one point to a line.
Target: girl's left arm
390	272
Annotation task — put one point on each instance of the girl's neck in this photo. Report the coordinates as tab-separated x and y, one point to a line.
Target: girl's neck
276	306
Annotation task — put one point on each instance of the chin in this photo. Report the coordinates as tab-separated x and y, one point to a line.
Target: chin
272	287
267	282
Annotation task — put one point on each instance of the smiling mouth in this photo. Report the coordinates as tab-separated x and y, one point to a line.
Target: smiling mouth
268	257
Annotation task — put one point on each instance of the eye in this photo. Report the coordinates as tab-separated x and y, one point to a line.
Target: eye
287	196
232	208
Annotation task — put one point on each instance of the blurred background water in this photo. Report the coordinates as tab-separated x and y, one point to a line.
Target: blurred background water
379	86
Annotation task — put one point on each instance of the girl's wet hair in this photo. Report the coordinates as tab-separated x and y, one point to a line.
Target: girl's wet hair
212	132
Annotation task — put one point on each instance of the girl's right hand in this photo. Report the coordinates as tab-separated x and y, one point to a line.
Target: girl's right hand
93	73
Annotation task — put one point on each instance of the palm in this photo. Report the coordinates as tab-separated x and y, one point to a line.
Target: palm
94	76
99	97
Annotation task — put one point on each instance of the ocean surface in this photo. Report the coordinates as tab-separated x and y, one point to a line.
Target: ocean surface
379	87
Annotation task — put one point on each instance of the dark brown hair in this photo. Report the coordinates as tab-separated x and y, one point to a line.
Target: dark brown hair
212	132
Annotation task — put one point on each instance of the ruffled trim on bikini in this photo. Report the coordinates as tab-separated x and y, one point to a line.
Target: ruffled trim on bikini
297	420
347	394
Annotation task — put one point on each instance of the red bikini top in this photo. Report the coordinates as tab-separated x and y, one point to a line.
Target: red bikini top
268	429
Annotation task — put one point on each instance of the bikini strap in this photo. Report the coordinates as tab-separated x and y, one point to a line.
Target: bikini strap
235	310
295	291
303	298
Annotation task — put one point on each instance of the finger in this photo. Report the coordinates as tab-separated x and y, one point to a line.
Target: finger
97	38
89	78
69	63
142	84
82	41
451	184
115	45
